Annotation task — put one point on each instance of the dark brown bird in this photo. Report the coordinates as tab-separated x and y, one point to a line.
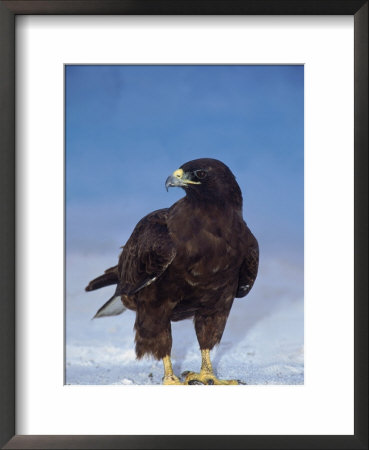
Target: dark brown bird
189	260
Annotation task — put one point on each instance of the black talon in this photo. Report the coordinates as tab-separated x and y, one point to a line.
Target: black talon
240	382
195	382
210	381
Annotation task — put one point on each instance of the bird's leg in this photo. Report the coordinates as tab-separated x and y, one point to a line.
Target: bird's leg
206	375
209	329
169	377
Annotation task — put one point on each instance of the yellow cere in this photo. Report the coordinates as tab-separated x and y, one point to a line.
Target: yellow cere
179	174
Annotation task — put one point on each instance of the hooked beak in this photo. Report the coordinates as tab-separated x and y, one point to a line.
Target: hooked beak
178	179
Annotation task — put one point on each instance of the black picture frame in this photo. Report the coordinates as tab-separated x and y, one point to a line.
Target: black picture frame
8	12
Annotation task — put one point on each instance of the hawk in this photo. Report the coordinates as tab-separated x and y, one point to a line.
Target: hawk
190	260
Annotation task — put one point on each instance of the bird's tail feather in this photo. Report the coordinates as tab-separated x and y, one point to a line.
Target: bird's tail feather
112	307
109	277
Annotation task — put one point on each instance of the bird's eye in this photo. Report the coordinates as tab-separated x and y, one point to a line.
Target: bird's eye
201	174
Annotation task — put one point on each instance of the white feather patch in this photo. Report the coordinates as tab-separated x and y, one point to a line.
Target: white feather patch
112	307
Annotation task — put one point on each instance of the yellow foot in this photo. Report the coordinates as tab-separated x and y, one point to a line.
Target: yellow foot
171	379
206	378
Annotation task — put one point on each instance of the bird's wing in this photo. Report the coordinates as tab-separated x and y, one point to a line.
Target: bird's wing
146	255
249	267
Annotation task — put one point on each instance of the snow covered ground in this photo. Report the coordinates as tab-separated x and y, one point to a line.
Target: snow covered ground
263	342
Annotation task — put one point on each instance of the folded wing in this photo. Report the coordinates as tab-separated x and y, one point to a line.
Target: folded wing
147	254
249	267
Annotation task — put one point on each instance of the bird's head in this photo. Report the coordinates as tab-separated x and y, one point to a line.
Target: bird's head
207	180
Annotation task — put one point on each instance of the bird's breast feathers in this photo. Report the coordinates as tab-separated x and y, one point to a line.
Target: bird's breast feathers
207	251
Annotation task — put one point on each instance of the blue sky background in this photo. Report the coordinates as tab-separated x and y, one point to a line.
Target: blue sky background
129	127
